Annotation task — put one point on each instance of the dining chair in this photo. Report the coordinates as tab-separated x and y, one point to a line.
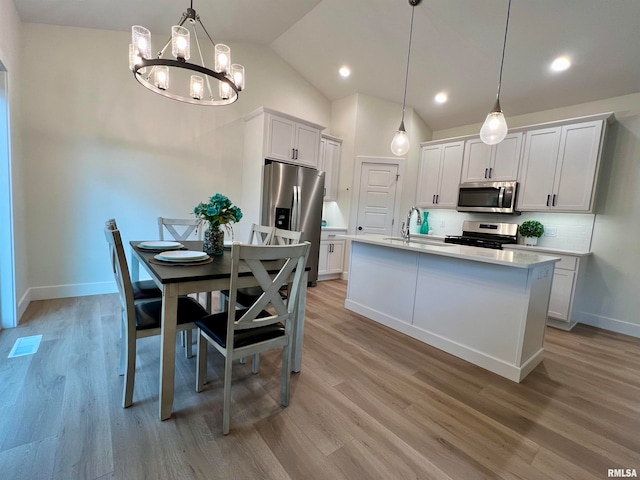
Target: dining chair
285	237
266	324
260	234
141	318
143	289
180	228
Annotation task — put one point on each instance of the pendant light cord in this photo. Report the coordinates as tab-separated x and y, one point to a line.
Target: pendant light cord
504	46
406	76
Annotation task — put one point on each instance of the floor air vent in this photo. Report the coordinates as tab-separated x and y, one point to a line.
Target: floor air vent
25	346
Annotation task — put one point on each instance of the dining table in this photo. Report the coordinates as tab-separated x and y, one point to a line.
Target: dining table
182	279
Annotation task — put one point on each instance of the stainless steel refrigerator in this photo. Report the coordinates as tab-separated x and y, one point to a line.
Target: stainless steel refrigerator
292	200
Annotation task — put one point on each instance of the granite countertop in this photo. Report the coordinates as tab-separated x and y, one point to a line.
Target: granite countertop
511	258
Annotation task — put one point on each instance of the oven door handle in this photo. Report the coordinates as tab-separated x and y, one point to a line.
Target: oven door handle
501	197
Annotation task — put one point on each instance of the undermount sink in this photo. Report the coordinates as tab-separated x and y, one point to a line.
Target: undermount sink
422	241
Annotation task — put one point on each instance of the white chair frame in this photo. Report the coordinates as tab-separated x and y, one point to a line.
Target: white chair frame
295	257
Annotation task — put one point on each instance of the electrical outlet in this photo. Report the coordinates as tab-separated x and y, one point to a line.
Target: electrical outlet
550	232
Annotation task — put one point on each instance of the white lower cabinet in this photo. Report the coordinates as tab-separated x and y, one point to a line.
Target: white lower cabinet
330	262
563	292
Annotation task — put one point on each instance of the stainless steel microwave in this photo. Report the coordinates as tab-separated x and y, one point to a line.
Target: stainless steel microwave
488	197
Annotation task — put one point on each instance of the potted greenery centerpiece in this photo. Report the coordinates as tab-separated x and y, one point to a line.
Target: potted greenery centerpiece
216	212
531	230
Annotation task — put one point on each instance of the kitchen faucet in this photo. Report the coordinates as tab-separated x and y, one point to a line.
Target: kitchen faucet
405	230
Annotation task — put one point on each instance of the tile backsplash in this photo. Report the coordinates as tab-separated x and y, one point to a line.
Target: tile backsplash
572	231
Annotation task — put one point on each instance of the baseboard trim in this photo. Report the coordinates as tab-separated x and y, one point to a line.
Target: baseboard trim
612	324
63	291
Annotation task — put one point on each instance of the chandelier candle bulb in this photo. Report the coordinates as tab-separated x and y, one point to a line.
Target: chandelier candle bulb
161	77
134	58
224	90
180	42
141	38
237	73
223	58
197	87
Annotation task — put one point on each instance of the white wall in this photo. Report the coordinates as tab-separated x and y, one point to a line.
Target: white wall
609	296
99	146
10	28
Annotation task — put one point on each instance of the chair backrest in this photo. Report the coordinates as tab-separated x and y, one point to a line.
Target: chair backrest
121	271
285	237
255	256
187	228
260	235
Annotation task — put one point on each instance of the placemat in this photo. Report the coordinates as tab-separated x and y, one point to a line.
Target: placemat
180	264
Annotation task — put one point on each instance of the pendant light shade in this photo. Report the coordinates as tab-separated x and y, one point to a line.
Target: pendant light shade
400	143
494	128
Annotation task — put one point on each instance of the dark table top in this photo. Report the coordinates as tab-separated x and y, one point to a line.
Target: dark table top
220	268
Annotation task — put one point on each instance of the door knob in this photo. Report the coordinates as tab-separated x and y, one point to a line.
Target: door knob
359	228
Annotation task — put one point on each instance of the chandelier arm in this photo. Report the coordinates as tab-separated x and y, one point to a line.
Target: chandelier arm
207	33
504	46
406	76
195	35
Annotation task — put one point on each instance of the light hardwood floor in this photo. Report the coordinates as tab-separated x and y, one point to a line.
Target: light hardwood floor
369	403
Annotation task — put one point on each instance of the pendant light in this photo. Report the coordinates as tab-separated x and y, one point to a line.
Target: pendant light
400	143
494	128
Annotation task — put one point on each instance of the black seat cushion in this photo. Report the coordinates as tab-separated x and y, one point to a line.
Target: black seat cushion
247	296
145	289
149	312
215	326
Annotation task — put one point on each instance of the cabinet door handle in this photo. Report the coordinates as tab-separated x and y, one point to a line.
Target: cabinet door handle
433	200
296	153
553	202
548	198
485	172
293	154
437	197
490	170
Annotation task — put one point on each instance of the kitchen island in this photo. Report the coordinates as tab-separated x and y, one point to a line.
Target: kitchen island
488	307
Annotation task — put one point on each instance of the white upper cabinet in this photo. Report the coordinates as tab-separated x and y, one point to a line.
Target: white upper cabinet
559	167
330	151
439	175
291	140
498	163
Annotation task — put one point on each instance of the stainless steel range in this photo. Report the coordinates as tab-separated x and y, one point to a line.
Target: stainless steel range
485	234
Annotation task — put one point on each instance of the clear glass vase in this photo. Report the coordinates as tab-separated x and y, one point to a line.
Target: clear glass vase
213	243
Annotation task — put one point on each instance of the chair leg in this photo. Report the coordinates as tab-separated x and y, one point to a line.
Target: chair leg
183	342
130	372
224	302
188	344
226	407
286	375
201	364
255	366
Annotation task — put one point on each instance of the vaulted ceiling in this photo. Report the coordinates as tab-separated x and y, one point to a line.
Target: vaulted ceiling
457	46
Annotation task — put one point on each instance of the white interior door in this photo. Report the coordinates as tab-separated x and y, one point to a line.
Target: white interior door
377	198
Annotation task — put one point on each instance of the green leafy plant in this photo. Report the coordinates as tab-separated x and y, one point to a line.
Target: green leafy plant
217	211
531	228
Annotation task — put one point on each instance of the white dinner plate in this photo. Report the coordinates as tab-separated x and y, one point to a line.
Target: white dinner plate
160	244
182	256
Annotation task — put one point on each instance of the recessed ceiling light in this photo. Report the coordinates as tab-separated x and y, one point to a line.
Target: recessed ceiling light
560	64
345	72
441	97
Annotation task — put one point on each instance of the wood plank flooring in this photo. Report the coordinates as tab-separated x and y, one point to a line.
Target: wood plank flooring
370	403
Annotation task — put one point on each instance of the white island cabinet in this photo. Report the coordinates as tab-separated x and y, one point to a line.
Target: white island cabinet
488	307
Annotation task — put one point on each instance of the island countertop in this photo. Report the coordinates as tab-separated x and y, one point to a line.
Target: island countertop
511	258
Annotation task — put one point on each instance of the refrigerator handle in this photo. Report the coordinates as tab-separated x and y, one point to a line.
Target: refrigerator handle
295	213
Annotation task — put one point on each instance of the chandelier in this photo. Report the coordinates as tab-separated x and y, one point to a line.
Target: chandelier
174	76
